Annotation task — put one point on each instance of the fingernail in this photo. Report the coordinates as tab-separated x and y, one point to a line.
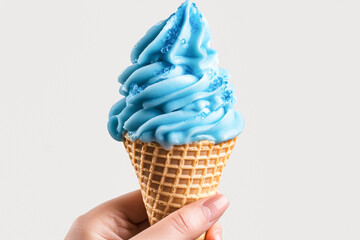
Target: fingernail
217	235
214	207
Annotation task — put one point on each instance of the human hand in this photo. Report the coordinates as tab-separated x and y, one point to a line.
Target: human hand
125	217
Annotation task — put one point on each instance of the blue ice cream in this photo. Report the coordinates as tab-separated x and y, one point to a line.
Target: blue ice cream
175	93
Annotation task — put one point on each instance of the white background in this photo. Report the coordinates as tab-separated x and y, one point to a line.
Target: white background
295	65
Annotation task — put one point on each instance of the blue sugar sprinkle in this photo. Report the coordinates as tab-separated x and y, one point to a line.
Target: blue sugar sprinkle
216	83
203	114
219	78
194	8
196	18
164	50
228	96
211	73
164	71
183	41
171	37
135	89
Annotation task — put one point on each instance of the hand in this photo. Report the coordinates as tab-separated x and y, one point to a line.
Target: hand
125	217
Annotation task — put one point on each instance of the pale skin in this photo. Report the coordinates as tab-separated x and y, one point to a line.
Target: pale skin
125	218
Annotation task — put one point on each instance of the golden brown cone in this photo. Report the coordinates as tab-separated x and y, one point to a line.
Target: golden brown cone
171	179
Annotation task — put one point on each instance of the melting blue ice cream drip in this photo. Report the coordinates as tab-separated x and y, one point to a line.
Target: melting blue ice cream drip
175	93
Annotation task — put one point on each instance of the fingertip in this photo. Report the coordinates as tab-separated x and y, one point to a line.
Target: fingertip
190	221
215	206
214	232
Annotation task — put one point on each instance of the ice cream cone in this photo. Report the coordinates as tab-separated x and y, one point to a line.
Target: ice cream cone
171	179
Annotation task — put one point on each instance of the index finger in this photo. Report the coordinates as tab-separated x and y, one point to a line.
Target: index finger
131	205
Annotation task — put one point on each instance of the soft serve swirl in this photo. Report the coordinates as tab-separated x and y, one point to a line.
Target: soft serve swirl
175	93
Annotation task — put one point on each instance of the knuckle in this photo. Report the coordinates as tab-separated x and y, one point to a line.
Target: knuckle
80	221
84	223
78	229
180	222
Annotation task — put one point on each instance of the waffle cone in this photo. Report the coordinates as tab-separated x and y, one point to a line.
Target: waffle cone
171	179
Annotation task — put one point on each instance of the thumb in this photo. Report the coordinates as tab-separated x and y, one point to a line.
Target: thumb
189	222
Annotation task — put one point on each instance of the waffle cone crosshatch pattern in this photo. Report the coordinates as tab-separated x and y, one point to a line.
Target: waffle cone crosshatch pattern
171	179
